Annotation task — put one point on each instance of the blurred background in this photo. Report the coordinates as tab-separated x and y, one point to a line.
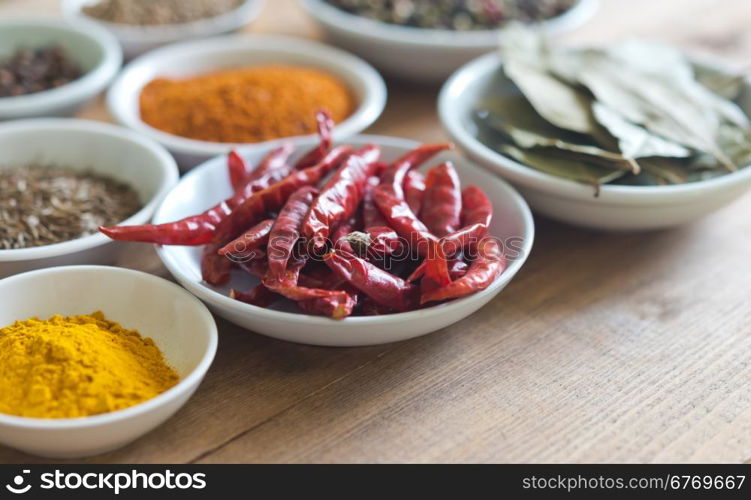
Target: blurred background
720	29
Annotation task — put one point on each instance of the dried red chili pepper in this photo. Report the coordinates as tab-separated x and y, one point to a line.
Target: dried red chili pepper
238	169
380	167
414	190
250	242
272	169
442	202
339	236
418	273
483	270
286	230
371	215
394	174
273	197
436	264
340	196
477	213
368	307
428	286
441	208
200	229
374	243
322	277
338	307
315	155
381	286
456	266
259	296
257	268
389	197
195	230
277	159
214	267
287	285
383	240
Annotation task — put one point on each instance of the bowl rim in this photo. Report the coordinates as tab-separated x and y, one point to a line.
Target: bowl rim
213	297
191	379
449	115
91	128
86	85
360	27
243	14
367	111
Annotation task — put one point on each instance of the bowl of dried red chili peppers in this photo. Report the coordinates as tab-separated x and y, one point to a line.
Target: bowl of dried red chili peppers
374	240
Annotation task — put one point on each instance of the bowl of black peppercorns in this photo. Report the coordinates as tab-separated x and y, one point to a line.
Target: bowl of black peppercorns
53	68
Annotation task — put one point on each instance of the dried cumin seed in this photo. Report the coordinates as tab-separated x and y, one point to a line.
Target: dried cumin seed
42	205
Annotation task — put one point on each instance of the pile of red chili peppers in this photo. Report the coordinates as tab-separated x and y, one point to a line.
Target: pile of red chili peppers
372	238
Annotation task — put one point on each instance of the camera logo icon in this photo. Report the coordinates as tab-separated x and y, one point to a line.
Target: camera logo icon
17	486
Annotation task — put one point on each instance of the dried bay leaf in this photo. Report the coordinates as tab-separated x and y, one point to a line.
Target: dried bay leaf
660	109
514	110
666	103
530	140
721	81
665	173
736	141
635	141
525	59
582	113
559	103
566	168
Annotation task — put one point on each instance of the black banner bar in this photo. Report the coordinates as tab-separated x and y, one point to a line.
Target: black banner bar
339	481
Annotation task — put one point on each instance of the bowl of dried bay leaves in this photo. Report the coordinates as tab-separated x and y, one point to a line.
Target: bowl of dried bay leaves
633	136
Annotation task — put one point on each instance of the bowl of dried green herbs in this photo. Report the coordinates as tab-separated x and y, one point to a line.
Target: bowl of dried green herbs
632	136
62	179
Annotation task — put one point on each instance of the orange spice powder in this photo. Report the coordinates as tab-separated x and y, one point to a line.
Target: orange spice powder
245	105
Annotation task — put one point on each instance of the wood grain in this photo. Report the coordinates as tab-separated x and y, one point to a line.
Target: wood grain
605	348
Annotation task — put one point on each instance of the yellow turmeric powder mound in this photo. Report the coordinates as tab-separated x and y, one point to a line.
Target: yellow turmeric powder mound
245	105
76	366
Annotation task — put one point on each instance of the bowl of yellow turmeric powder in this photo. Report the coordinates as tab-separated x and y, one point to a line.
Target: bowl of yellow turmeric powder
93	357
202	99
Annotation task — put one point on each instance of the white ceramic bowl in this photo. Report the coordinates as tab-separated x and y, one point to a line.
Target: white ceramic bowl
93	48
618	208
180	325
424	55
100	147
136	40
208	184
190	58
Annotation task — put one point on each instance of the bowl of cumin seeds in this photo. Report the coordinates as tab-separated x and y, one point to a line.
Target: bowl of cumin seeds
62	178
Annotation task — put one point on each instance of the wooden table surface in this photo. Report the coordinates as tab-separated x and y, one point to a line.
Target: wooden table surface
605	348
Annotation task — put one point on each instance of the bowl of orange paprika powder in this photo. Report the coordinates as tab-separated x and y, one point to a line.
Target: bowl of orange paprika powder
202	99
